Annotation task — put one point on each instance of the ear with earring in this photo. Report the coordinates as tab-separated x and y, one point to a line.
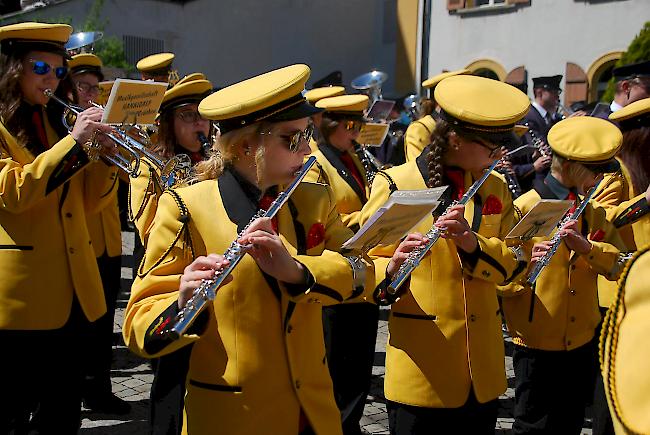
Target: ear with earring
247	150
453	140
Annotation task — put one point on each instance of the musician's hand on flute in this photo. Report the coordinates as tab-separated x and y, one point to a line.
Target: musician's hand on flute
457	229
539	251
87	125
270	254
200	269
574	239
400	255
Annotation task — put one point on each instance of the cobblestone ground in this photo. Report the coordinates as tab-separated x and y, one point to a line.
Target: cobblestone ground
132	377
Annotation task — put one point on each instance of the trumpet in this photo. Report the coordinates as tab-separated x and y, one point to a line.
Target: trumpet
171	171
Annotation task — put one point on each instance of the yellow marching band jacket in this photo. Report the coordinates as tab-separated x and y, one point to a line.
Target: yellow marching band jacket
45	202
144	192
260	352
349	196
445	333
444	341
418	136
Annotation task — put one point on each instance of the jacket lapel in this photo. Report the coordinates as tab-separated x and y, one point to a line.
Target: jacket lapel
332	156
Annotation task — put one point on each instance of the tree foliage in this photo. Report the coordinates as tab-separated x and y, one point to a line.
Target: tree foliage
638	51
109	49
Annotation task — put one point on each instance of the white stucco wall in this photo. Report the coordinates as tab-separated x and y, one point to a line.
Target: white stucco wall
234	39
543	36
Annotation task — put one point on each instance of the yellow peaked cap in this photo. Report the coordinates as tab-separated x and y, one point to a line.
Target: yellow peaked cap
632	110
481	101
84	59
344	104
30	31
317	94
256	93
192	91
585	139
191	77
431	82
155	62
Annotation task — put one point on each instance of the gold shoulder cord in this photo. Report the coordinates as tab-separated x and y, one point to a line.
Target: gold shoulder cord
183	230
610	330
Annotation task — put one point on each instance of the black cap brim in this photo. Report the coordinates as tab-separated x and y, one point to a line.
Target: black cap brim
603	168
299	111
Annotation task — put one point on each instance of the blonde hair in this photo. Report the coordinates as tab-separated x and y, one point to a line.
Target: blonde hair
574	171
224	152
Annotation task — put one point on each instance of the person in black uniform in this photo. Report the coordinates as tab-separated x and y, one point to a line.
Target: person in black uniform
533	168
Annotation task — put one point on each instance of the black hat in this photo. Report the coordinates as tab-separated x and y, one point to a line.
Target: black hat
630	71
335	78
550	82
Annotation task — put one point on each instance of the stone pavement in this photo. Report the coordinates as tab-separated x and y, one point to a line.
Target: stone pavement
132	377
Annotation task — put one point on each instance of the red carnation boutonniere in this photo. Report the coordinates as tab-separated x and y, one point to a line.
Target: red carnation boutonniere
597	236
315	235
492	205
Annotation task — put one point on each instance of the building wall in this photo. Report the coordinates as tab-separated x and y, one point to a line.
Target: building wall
543	35
234	39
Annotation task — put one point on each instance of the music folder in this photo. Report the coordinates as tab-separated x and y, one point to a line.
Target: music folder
403	210
373	134
134	102
540	220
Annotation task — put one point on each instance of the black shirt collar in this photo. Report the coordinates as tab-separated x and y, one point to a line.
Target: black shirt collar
240	198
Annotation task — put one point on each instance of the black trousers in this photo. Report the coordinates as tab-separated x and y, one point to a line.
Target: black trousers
602	418
552	388
167	395
472	418
350	335
40	378
99	346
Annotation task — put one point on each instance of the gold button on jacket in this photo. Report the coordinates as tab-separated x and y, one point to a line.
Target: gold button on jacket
261	358
445	332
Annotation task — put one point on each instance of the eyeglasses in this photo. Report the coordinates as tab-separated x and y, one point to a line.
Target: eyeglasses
351	125
41	68
88	88
294	139
189	116
493	151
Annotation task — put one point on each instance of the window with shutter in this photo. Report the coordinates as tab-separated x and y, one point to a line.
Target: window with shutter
576	84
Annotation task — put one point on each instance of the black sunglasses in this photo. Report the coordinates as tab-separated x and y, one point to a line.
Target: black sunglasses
41	68
351	125
294	139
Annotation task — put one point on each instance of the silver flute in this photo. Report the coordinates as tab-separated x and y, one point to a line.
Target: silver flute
417	254
235	252
557	239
